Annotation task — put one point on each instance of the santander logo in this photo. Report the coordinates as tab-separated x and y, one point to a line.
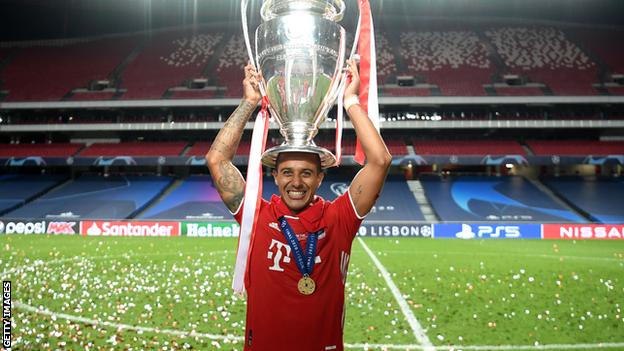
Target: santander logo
109	228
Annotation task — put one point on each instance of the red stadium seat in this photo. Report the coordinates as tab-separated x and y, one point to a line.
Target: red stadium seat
174	148
468	147
43	150
576	147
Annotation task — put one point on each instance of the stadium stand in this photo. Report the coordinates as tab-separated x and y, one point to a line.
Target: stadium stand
95	197
30	77
468	147
167	148
600	198
200	148
407	91
43	150
444	58
386	61
475	198
607	44
17	189
576	147
92	95
229	70
616	90
166	61
545	55
395	203
456	61
194	199
518	91
193	94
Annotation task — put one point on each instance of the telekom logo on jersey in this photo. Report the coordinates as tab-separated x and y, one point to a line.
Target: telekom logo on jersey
278	254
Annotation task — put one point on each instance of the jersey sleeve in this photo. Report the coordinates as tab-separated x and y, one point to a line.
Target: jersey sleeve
238	215
345	216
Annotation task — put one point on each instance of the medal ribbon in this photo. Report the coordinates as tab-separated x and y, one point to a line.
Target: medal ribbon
305	261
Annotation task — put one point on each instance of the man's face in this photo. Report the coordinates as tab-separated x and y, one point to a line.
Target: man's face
297	177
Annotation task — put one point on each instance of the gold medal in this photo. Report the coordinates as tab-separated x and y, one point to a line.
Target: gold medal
306	285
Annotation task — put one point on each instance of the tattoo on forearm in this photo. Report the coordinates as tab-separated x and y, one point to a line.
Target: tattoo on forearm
228	138
230	185
228	180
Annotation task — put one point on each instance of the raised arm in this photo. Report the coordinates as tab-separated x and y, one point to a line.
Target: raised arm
367	184
227	178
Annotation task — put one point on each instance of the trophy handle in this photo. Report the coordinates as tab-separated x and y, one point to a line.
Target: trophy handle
244	4
352	55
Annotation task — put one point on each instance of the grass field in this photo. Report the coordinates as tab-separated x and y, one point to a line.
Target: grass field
150	293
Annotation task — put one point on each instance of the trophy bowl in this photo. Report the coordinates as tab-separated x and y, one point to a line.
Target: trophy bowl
300	51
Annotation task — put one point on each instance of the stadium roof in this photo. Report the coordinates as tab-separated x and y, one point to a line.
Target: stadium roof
45	19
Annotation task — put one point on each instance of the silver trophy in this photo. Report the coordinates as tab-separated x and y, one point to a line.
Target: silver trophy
300	51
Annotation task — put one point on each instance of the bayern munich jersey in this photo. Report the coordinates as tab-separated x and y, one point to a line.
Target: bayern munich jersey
279	317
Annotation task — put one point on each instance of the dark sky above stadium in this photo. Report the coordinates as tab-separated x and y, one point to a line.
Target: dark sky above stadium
49	19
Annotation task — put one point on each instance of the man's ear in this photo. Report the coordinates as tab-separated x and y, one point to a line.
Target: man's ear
274	174
321	177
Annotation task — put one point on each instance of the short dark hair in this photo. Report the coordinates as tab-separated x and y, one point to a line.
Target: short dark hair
317	158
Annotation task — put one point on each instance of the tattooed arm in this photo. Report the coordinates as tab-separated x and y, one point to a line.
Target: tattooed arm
227	178
367	184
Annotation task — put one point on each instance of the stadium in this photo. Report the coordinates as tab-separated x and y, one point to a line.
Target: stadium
500	225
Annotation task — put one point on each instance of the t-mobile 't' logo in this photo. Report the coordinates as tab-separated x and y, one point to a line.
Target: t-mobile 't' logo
278	254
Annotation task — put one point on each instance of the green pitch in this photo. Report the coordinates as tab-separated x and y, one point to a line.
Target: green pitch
74	293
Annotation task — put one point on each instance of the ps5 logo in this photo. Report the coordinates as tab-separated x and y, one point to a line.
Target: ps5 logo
489	231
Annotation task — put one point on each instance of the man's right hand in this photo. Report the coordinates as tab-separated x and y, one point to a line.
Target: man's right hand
251	85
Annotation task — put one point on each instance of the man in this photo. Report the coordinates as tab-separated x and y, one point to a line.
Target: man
295	298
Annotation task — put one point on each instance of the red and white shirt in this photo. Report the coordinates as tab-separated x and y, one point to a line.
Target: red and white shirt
279	317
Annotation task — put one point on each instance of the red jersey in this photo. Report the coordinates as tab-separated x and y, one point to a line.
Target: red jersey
279	317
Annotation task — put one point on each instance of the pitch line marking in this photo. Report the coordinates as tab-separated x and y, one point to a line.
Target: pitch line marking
365	346
605	345
95	322
588	258
39	262
357	346
417	329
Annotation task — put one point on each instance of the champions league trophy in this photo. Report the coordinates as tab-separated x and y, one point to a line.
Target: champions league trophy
300	51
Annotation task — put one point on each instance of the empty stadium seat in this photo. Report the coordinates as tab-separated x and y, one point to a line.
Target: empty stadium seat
96	197
454	60
48	73
195	198
468	147
200	148
519	91
606	43
481	198
167	60
230	66
600	198
43	150
17	189
171	148
193	94
576	147
545	55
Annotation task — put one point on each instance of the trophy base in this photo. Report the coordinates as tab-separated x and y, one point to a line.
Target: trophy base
269	157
